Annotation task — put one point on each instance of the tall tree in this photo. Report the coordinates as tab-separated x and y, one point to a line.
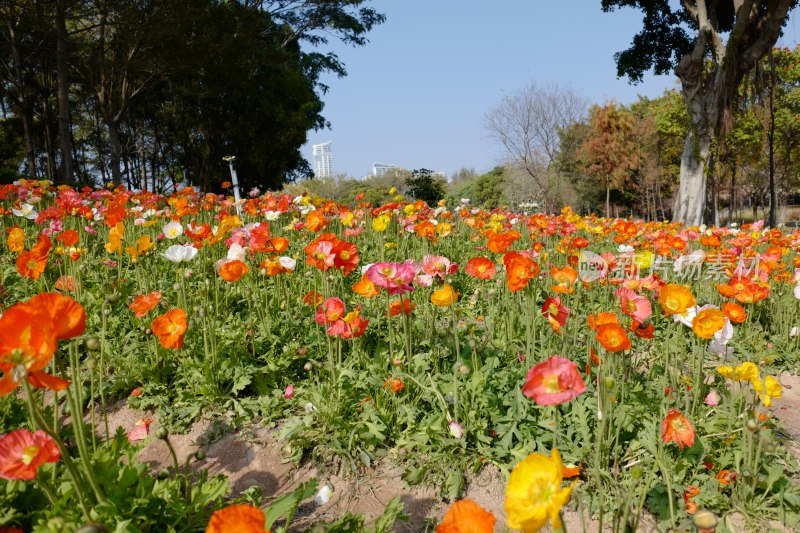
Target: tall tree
611	152
527	125
691	39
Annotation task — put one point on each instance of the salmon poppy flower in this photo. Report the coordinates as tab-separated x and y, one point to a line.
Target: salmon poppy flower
634	305
466	516
170	327
675	299
707	322
481	268
565	278
555	312
241	518
613	337
444	297
28	342
553	382
734	312
66	283
144	303
678	429
233	271
23	452
395	385
320	252
534	494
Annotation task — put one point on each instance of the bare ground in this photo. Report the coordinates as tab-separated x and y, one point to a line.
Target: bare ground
253	457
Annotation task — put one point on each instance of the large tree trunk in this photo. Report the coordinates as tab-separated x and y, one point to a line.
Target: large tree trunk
691	200
62	76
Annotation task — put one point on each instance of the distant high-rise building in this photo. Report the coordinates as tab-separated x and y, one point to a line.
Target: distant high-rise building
379	169
322	160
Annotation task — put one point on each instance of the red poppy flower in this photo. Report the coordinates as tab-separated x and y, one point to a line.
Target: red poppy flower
23	452
554	381
555	312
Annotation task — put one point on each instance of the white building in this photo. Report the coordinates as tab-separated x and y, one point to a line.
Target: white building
322	160
380	169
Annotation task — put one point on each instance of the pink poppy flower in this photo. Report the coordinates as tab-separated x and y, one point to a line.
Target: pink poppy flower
394	277
554	381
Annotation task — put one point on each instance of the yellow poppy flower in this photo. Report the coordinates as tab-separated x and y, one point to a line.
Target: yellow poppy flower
534	494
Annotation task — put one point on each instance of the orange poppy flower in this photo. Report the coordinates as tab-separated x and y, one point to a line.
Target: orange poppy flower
678	429
312	298
233	270
67	315
466	516
501	242
734	312
643	331
555	312
276	245
444	297
170	327
602	318
481	268
401	306
565	278
144	303
316	221
28	340
520	269
725	477
365	287
16	240
571	471
613	337
32	264
707	322
396	385
675	299
241	518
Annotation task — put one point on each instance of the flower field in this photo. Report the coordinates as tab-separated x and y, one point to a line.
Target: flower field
607	367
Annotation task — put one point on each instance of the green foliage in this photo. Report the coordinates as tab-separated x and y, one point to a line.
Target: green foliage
423	185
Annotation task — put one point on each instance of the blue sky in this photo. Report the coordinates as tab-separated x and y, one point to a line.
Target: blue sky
416	95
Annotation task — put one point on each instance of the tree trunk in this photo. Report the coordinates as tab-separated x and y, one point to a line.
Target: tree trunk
691	199
773	192
608	199
25	108
62	76
115	151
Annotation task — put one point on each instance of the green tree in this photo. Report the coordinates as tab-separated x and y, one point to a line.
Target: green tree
691	40
424	185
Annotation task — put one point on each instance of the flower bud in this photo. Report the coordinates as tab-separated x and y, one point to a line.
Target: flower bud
752	425
92	344
112	299
200	455
162	433
705	520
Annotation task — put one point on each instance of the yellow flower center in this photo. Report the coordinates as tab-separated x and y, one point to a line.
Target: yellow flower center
29	454
551	384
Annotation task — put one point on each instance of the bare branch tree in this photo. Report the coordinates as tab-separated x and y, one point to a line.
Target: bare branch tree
527	125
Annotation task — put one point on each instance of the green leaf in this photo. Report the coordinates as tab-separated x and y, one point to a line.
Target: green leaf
286	505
